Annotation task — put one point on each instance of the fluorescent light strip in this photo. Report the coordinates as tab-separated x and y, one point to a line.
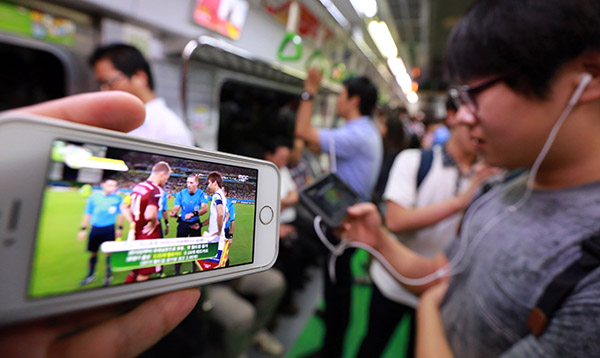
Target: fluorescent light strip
366	8
412	97
380	33
335	12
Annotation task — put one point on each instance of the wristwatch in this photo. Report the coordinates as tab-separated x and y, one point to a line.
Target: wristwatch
306	96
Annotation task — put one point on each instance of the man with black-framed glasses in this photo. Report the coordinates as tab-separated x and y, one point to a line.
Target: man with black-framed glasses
121	67
522	279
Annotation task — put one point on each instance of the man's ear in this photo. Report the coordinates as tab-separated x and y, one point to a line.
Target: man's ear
451	120
591	65
355	101
140	78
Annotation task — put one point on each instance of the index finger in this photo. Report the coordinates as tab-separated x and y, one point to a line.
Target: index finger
114	110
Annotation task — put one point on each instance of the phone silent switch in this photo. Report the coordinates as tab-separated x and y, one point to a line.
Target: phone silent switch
266	215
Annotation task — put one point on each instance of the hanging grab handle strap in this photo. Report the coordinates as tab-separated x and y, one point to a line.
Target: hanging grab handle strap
291	36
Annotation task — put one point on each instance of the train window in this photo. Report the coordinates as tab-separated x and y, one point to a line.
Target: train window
29	76
249	116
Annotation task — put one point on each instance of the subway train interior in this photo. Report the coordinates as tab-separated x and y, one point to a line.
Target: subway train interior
250	77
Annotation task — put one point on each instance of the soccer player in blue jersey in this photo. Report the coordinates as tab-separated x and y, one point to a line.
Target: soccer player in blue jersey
163	214
102	210
229	220
193	203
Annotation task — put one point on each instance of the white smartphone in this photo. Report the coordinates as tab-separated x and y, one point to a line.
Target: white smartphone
66	190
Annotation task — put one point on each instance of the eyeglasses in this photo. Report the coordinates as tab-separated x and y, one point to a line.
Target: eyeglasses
107	84
465	95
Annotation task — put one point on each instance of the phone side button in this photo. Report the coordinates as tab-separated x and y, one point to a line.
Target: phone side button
8	242
266	215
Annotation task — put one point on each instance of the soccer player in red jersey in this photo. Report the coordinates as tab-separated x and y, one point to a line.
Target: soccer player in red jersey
143	212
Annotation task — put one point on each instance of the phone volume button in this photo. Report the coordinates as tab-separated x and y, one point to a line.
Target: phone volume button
13	217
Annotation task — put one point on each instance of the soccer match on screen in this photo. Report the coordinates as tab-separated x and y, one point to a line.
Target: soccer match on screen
111	216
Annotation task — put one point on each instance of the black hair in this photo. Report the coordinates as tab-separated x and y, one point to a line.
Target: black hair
272	144
215	177
451	105
124	58
365	89
532	39
395	139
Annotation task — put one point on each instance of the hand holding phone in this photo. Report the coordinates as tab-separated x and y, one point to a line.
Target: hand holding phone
117	111
31	300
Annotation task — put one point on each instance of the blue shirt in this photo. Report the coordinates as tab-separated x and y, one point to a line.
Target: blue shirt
190	203
103	209
358	152
163	204
231	210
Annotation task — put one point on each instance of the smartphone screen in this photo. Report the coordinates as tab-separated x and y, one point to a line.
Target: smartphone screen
104	213
329	197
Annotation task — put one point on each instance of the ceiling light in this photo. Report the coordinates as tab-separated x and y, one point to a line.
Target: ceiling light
405	82
335	12
380	33
412	97
366	8
396	65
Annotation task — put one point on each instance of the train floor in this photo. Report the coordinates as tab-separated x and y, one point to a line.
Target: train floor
302	333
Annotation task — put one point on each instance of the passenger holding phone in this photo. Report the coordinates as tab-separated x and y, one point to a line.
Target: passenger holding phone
426	194
356	151
520	237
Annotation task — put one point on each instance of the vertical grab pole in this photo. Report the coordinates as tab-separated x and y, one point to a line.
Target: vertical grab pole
186	58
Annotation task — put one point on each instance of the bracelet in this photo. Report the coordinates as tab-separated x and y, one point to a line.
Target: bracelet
196	213
166	223
83	228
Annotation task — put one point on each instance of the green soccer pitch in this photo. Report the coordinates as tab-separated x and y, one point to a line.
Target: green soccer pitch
61	261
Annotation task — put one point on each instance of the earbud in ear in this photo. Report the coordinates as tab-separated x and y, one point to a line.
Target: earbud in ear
586	78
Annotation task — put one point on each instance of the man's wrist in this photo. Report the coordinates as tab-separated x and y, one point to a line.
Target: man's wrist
307	96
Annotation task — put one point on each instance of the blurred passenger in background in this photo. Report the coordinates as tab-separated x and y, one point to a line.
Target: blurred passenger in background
414	128
394	137
290	259
436	129
299	166
426	194
357	148
242	308
123	67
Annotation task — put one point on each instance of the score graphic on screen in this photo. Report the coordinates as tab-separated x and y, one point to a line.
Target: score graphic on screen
128	255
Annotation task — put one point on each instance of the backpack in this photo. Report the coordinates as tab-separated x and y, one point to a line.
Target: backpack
563	284
424	166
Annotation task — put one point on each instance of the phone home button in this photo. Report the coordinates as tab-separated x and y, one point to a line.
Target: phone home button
266	215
